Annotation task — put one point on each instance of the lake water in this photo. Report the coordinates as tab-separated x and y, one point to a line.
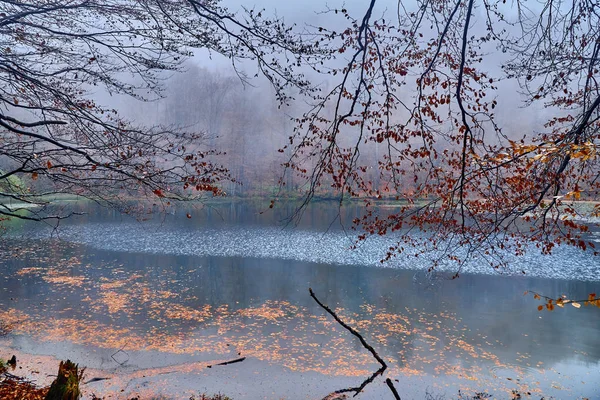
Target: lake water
150	305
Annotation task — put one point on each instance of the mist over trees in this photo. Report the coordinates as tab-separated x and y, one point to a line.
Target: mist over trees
59	140
244	122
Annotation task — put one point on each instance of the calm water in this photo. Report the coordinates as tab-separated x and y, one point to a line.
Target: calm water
151	304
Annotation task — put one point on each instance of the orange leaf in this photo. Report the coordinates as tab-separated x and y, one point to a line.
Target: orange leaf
34	176
540	308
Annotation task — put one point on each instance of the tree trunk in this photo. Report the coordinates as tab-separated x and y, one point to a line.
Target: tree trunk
66	384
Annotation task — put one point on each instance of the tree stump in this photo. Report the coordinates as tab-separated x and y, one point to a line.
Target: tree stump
66	384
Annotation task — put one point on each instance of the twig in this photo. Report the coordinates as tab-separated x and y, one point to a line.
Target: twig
392	388
232	361
117	352
97	379
366	345
14	377
237	360
350	329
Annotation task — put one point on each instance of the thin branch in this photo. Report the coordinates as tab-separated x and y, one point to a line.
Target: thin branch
366	345
390	384
237	360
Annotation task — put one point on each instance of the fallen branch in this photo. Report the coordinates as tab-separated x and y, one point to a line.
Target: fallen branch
366	345
8	375
237	360
97	379
233	361
390	384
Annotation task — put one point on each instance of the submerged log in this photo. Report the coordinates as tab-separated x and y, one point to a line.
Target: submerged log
66	384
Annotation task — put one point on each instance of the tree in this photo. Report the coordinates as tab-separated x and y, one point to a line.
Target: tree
247	132
56	54
427	87
419	95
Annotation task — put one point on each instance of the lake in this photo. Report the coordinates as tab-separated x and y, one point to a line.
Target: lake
150	305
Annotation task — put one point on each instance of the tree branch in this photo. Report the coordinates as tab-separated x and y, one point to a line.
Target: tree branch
366	345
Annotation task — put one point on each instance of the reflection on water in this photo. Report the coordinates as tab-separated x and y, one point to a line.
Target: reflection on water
169	310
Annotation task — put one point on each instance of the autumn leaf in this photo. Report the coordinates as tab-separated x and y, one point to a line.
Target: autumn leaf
574	194
34	176
159	193
540	308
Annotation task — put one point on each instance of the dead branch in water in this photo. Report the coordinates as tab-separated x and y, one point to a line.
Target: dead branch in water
366	345
237	360
390	384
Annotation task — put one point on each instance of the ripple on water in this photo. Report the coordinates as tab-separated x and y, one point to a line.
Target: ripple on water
310	246
513	371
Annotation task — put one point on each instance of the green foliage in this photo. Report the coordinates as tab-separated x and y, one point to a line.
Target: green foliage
11	184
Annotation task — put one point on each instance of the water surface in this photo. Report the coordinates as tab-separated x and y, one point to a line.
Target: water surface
152	304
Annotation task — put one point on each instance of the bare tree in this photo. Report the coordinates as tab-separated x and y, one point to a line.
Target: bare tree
56	53
426	88
421	93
